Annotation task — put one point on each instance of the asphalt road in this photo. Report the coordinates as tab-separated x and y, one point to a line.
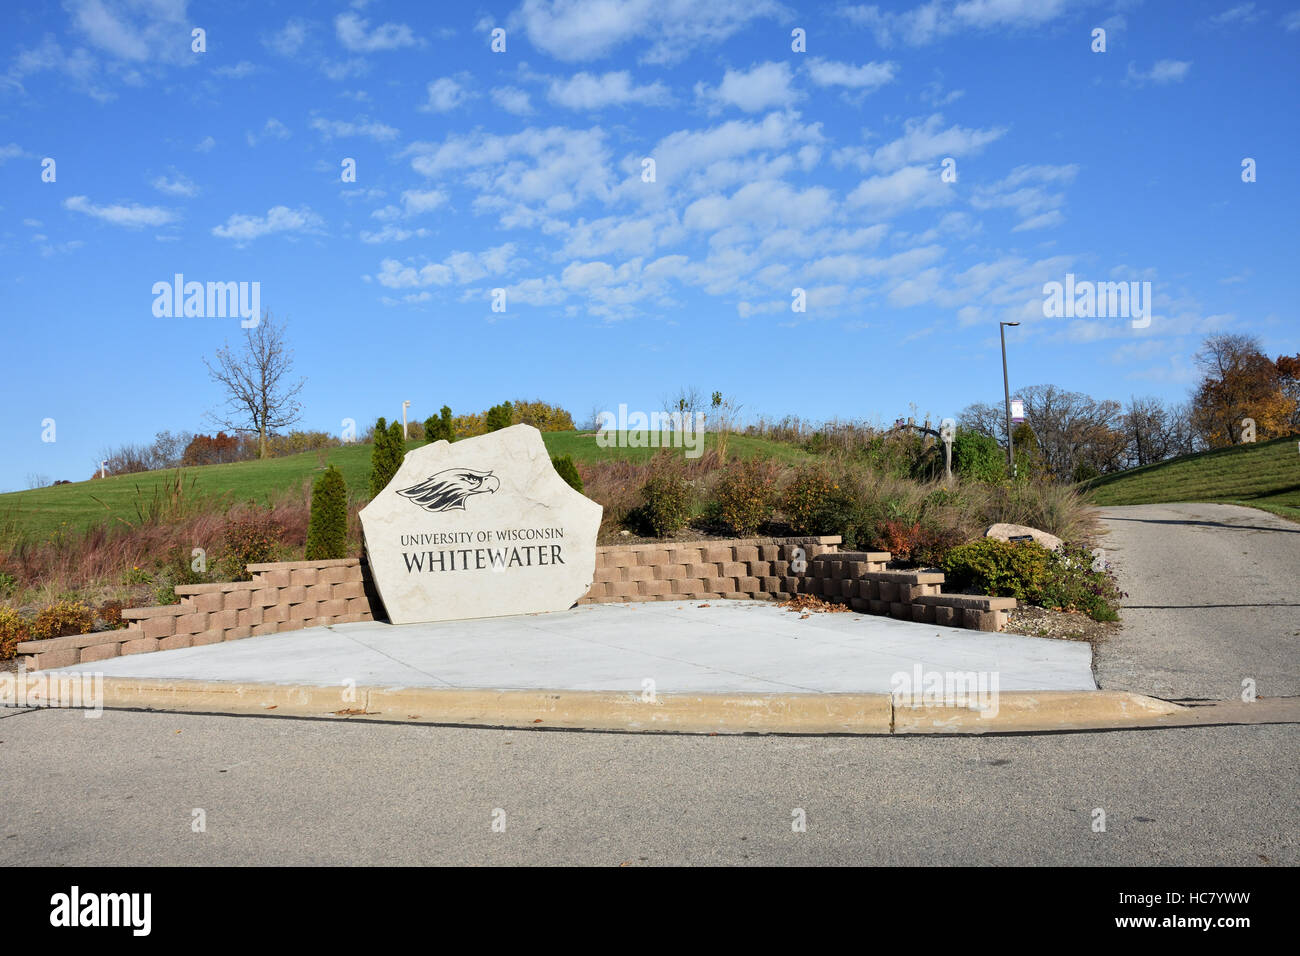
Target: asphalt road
1214	599
122	789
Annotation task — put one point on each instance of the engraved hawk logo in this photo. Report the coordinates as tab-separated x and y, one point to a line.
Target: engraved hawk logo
447	490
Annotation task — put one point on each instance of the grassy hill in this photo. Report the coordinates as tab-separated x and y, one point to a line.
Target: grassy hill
1264	475
81	504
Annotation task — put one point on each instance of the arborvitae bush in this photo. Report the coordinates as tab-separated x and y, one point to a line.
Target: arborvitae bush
567	470
386	458
438	427
327	532
396	447
380	458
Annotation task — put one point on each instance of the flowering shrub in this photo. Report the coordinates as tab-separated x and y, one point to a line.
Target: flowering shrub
61	619
13	629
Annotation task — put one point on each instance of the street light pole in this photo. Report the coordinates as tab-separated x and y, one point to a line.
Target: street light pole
406	405
1006	395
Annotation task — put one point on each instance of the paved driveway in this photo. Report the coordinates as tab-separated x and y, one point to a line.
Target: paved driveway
1214	599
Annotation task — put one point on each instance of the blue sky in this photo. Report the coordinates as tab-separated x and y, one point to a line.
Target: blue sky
522	170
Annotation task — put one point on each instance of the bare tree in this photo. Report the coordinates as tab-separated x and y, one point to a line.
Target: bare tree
260	396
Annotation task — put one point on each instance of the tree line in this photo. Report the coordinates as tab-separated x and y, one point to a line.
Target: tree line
1242	396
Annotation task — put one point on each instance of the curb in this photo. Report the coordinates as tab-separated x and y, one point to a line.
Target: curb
626	711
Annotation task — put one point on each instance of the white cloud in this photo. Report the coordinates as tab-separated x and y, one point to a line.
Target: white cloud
1163	71
354	33
573	30
277	219
512	100
868	76
556	167
414	203
1291	21
1242	13
922	141
289	39
766	205
764	86
12	151
205	145
936	19
146	33
340	129
237	71
394	233
911	187
444	95
271	129
132	215
179	186
459	267
587	91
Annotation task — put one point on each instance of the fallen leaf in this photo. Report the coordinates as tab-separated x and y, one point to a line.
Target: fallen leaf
704	605
538	720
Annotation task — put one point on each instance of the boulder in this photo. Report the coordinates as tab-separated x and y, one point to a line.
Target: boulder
1005	532
480	528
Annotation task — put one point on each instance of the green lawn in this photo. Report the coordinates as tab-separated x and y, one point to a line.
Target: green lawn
1264	475
85	503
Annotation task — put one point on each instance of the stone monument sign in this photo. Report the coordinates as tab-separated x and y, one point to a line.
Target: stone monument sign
480	528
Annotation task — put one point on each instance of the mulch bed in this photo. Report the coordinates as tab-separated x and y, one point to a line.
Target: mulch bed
1062	625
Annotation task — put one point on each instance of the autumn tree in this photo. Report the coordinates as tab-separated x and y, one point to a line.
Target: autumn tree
1240	382
260	393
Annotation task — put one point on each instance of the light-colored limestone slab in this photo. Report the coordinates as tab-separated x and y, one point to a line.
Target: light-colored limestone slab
483	527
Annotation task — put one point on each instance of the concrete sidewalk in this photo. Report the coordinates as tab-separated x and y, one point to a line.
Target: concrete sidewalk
722	647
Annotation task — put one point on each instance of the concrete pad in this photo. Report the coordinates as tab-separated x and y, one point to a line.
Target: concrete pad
728	647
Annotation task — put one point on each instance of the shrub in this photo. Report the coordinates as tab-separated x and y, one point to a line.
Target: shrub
668	498
977	457
13	630
743	495
8	584
999	568
806	500
1063	579
1073	584
62	619
327	532
251	538
110	612
567	470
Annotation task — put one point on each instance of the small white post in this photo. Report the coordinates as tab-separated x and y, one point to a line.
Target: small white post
405	406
